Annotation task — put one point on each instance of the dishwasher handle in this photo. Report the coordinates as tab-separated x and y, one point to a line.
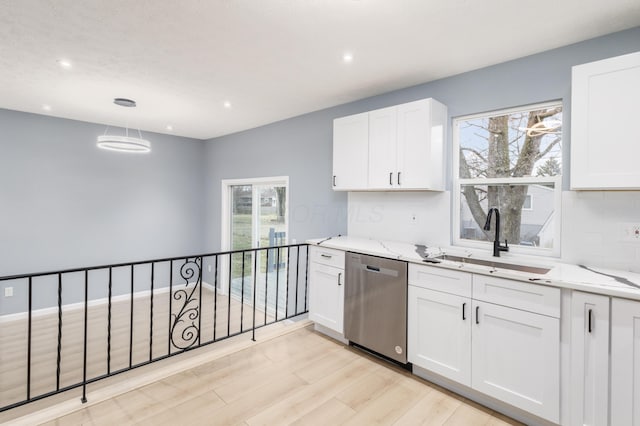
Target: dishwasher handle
372	268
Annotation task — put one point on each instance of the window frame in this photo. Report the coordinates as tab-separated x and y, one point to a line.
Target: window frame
528	180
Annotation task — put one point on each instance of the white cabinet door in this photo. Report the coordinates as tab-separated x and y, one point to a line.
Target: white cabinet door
589	359
326	296
382	148
516	358
420	157
350	152
439	333
625	362
605	102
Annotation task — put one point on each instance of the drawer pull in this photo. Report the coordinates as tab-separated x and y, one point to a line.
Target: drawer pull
590	316
326	256
334	180
477	314
464	308
339	276
399	178
391	179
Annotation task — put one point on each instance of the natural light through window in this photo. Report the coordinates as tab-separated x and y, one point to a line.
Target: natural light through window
508	159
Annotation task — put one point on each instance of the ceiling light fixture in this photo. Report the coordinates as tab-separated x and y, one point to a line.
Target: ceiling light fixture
46	107
169	127
347	57
64	63
124	143
543	128
227	104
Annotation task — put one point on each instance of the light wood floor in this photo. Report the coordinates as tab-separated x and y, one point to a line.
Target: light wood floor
300	378
44	339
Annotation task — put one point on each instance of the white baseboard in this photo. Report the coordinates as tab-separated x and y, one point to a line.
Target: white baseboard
53	310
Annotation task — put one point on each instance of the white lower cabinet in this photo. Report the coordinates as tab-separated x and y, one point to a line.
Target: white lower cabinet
625	362
326	288
516	358
439	332
589	359
510	354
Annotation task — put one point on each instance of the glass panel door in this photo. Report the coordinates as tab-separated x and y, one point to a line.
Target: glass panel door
258	218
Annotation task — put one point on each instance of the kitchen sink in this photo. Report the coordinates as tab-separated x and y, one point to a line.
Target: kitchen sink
491	263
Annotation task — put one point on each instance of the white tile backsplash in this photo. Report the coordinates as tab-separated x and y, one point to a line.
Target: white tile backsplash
411	217
592	231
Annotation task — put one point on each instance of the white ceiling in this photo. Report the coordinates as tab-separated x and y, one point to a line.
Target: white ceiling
272	59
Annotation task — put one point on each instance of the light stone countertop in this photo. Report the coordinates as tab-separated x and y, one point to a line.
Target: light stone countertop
598	280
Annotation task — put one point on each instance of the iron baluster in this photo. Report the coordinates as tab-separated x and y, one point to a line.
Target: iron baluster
151	313
29	339
266	283
131	323
241	295
170	303
286	307
306	274
277	281
109	323
59	356
255	276
215	300
184	322
86	324
229	295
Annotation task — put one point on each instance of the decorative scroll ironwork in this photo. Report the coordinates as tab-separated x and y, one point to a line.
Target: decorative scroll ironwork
185	330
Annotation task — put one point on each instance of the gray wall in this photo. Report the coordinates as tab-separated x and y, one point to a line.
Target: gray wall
301	146
65	203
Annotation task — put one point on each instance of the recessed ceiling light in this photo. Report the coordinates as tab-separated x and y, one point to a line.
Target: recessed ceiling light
227	104
347	57
46	107
64	63
169	127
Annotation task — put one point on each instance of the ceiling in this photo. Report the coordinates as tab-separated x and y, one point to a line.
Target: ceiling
271	59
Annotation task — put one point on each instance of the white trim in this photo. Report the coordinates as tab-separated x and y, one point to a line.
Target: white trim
457	182
530	208
521	108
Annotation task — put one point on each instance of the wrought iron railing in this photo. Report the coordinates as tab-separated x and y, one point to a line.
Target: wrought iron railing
67	329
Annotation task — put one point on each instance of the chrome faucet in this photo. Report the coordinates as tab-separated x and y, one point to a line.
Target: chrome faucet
497	247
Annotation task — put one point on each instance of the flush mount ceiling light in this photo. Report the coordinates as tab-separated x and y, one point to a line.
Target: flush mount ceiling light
124	143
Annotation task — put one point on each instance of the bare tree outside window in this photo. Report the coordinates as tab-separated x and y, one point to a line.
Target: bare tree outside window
500	156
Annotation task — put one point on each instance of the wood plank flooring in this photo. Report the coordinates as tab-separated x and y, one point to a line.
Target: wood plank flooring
300	378
44	339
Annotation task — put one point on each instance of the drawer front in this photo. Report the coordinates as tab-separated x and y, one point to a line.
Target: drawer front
518	295
327	256
440	279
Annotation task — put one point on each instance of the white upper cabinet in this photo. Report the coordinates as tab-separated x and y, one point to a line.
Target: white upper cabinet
420	156
383	130
404	149
605	103
350	152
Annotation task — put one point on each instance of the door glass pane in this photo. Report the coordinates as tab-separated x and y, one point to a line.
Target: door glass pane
259	220
241	237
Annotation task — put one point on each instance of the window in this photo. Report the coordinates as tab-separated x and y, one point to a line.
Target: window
506	159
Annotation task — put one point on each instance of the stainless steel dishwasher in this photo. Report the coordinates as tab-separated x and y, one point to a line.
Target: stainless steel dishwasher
375	304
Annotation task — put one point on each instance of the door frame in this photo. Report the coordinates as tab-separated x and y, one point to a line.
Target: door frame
225	222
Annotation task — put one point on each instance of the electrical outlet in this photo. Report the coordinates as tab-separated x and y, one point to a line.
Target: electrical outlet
631	232
8	292
209	268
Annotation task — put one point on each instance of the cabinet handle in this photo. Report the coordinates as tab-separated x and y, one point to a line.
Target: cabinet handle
590	316
464	308
399	178
391	178
334	180
326	255
339	276
477	314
